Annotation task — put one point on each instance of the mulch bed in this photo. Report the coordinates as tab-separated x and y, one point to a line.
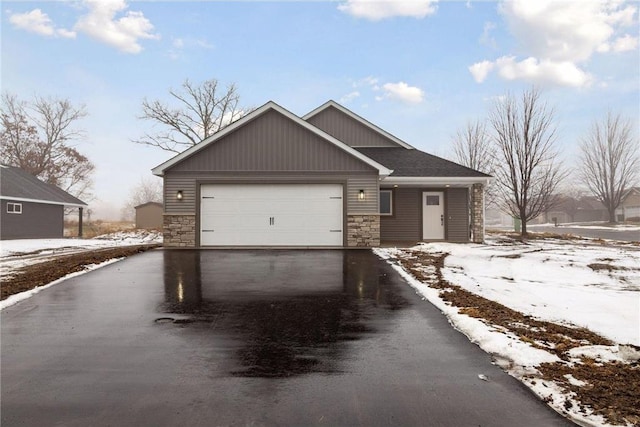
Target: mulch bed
612	389
40	274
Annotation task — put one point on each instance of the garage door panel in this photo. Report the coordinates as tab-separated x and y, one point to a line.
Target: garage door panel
271	215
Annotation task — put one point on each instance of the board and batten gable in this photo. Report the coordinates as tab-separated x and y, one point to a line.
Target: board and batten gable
348	130
271	148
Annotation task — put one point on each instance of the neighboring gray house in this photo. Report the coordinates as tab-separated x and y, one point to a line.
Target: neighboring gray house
149	215
32	209
328	179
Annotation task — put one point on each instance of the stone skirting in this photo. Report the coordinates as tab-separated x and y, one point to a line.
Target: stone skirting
179	230
363	231
477	213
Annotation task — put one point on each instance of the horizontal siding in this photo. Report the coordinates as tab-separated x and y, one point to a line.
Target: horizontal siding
457	214
406	222
370	203
187	183
348	130
271	142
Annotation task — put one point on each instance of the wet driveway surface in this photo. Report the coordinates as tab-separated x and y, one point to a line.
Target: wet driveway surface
248	338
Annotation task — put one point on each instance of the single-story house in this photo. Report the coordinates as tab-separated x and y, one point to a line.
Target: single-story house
327	179
629	208
149	215
32	209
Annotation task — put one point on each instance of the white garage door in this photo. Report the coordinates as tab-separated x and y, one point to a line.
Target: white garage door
271	215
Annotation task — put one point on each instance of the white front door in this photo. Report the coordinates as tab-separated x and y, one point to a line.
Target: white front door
433	215
271	215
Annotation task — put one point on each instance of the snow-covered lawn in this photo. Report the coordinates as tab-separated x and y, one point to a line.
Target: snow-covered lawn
56	246
17	254
564	282
593	286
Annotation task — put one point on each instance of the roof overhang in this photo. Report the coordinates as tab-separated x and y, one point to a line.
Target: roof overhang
356	117
47	202
440	181
160	169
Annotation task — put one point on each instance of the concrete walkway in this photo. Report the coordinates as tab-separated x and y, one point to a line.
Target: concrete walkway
207	338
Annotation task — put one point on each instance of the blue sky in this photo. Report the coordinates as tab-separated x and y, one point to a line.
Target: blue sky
418	69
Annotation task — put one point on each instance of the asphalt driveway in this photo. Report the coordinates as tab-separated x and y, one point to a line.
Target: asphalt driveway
206	338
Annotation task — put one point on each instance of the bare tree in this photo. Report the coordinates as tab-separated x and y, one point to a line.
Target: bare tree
201	111
610	162
527	170
37	137
147	190
473	148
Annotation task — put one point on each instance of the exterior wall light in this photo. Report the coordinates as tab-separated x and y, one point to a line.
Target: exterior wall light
361	195
179	195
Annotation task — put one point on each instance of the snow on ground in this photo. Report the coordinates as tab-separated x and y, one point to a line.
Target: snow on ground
16	254
41	246
552	281
16	298
592	226
549	280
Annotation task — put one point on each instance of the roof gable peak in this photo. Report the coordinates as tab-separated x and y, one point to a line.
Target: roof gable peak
356	117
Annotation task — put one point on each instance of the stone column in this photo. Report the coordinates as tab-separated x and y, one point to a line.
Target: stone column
477	213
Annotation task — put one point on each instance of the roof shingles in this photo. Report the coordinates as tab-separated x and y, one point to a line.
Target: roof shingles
18	184
416	163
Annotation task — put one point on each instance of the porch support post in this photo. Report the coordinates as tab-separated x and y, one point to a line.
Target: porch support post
80	222
477	213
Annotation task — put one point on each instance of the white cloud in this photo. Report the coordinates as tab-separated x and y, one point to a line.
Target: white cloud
39	22
625	43
564	73
480	70
557	36
376	10
123	33
402	92
349	97
486	38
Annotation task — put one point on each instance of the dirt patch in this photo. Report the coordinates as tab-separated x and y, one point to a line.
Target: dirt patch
608	267
610	389
40	274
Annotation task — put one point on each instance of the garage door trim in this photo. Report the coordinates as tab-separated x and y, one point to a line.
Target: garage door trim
271	181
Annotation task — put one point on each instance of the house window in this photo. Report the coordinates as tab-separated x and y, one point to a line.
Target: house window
386	202
15	208
433	200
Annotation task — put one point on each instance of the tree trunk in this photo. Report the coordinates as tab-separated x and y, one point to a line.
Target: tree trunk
612	216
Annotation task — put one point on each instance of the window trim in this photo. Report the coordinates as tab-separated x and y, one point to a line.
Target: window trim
14	206
390	191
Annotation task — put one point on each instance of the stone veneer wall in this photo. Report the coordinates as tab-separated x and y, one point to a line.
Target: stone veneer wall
179	230
363	231
477	213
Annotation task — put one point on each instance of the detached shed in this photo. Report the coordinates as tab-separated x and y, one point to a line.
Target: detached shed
149	215
33	209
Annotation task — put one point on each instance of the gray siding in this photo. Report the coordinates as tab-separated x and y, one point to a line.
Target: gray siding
37	220
406	221
187	183
457	214
271	142
348	130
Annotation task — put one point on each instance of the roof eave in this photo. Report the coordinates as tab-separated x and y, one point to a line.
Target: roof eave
437	180
48	202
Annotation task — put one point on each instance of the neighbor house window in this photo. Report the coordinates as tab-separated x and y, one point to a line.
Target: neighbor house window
15	208
386	202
